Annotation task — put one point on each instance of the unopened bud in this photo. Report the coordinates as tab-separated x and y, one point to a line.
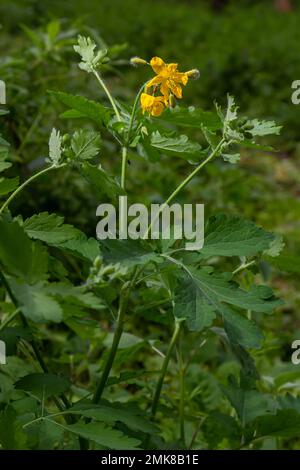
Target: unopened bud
137	61
172	101
194	73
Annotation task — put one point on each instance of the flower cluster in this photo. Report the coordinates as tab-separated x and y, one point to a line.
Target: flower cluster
168	81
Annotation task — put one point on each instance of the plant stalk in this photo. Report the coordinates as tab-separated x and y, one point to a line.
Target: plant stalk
164	368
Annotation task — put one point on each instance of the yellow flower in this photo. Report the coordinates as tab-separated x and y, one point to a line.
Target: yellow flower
152	104
168	78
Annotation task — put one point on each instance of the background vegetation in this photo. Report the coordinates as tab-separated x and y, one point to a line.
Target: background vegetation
249	49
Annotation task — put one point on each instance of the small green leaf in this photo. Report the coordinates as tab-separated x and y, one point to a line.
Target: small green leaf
178	145
35	302
85	144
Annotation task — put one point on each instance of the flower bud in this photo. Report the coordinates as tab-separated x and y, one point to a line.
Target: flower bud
172	101
194	74
137	61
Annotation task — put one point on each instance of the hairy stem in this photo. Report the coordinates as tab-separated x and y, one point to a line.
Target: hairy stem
23	185
108	94
165	367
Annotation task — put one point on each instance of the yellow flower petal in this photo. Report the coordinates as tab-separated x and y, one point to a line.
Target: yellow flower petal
157	65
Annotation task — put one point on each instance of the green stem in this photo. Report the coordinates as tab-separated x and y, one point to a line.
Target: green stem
127	143
117	336
165	367
181	400
243	266
183	185
23	185
108	94
124	165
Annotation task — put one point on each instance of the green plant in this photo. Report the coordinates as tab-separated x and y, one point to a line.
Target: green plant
58	283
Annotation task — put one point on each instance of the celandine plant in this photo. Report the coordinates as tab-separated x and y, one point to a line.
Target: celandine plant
76	398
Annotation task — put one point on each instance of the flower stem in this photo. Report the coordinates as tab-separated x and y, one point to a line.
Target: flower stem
108	94
23	185
165	367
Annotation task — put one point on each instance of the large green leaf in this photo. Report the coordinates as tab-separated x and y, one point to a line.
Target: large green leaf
200	293
233	236
105	436
86	108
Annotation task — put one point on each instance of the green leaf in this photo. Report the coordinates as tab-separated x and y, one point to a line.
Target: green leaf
190	303
50	229
261	128
35	302
285	424
105	436
127	252
112	413
192	117
85	144
208	292
219	426
43	385
241	330
88	108
7	185
12	436
81	246
287	263
101	181
178	145
249	404
21	256
90	59
233	236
